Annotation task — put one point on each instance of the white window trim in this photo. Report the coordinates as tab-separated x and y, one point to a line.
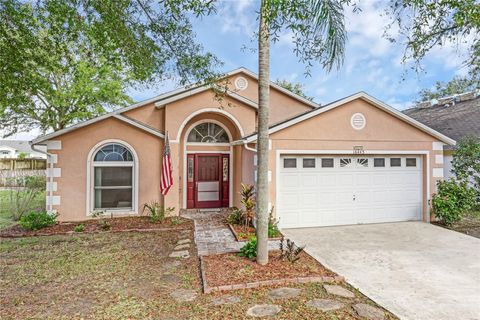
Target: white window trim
89	205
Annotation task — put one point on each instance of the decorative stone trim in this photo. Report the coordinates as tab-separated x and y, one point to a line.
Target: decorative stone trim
437	146
53	200
53	158
54	145
439	159
51	186
264	283
438	172
54	172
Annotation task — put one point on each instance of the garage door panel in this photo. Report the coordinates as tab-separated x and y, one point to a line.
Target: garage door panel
353	194
289	180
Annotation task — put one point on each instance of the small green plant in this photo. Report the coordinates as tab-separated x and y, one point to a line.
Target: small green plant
79	228
249	250
36	220
104	224
289	250
175	221
157	212
273	230
97	213
235	216
452	200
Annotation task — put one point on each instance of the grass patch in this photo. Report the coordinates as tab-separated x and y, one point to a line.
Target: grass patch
6	218
122	276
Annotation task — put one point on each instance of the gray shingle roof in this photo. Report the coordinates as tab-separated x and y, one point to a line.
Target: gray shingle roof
455	119
19	145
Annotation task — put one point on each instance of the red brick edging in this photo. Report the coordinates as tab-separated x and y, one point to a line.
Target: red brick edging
257	284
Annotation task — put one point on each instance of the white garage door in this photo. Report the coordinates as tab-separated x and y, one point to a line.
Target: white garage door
326	191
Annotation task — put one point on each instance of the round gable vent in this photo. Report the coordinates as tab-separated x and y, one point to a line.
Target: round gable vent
241	83
358	121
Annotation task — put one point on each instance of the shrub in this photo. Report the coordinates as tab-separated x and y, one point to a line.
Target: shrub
79	228
249	250
466	162
248	201
452	200
273	230
235	217
26	194
36	220
290	250
175	221
157	212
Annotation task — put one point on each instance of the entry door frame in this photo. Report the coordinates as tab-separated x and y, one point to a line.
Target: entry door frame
230	177
426	175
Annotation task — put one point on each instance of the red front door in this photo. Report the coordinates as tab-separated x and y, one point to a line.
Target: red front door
207	180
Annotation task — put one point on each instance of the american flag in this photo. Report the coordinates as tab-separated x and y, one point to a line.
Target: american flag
167	178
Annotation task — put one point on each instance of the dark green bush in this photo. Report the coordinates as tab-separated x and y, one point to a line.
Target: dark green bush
452	200
249	250
36	220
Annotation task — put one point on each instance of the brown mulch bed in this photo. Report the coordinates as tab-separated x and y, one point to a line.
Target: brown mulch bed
243	233
93	226
229	269
471	228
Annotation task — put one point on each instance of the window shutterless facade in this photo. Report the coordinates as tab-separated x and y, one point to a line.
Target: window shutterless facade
113	178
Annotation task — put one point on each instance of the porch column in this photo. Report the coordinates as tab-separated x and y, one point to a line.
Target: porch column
172	199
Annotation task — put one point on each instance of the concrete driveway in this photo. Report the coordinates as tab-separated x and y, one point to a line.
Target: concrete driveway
414	269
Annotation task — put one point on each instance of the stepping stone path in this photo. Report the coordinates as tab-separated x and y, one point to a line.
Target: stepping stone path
180	254
263	310
183	241
284	293
180	248
225	300
369	312
338	291
325	304
184	295
170	278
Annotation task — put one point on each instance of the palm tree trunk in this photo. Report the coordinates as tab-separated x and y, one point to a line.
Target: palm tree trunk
262	142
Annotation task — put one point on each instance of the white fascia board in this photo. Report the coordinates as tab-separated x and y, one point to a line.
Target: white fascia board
162	103
138	125
105	116
368	98
277	87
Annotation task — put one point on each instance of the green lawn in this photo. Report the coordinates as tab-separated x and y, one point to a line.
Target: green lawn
127	276
6	218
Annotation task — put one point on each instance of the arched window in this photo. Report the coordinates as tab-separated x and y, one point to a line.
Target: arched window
208	133
113	178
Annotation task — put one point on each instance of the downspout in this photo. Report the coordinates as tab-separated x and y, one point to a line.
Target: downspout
50	162
245	144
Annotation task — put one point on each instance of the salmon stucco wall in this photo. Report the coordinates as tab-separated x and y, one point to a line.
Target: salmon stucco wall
72	162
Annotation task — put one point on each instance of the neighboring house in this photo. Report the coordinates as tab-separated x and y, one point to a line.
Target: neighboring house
355	160
457	117
14	149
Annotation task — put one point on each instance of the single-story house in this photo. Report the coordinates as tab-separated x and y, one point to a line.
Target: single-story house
14	149
354	160
456	116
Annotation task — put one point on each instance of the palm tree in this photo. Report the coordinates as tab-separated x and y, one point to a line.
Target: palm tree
318	33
